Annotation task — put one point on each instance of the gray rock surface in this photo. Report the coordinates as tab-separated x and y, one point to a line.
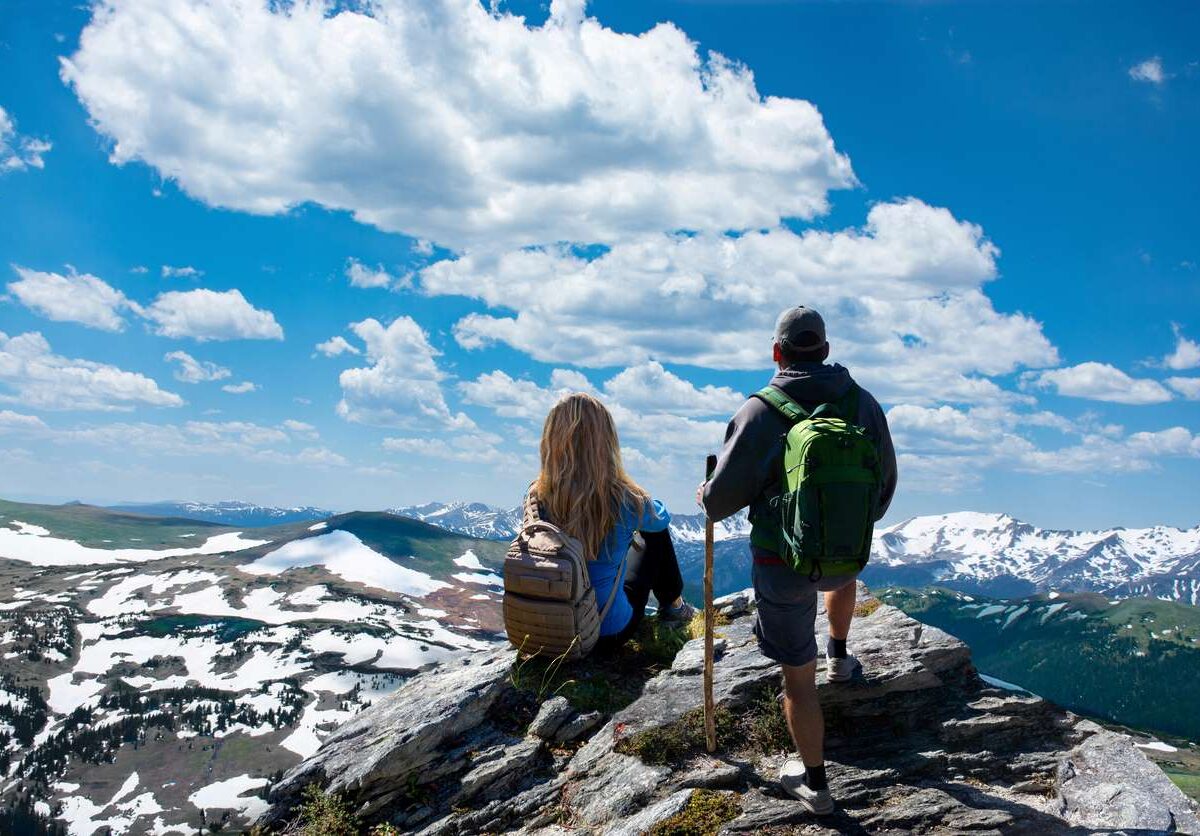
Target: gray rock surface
578	726
919	745
1107	782
550	717
372	756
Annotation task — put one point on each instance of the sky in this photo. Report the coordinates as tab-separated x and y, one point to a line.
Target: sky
349	254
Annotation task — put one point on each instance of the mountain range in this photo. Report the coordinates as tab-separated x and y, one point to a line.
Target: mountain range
983	553
155	669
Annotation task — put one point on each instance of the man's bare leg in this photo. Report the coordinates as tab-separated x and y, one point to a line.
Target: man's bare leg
839	606
803	712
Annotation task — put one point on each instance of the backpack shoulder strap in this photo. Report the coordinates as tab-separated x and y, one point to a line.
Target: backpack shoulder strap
774	397
612	593
849	404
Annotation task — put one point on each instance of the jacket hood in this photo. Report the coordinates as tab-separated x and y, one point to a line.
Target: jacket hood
813	382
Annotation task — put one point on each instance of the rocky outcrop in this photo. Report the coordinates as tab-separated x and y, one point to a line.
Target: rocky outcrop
919	745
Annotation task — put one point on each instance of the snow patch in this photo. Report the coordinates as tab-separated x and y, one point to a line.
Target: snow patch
346	556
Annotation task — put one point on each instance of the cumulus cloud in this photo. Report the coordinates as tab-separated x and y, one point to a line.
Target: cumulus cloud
240	388
74	297
361	275
211	315
1189	387
1149	71
187	272
39	378
401	386
1186	354
663	425
334	346
956	446
192	370
450	120
1102	382
902	298
19	152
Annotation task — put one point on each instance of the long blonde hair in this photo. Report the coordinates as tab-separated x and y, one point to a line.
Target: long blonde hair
583	483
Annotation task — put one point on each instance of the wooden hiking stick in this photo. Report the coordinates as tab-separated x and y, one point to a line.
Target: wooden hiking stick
710	718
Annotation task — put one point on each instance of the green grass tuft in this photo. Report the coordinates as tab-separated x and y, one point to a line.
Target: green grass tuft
326	814
705	813
603	683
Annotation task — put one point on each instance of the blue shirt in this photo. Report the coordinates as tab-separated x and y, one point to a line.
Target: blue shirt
604	569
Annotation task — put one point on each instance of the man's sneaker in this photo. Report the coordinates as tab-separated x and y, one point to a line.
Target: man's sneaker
677	615
843	669
791	778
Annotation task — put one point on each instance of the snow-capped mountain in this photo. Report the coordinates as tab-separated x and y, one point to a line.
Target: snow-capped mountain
999	555
227	513
993	554
478	520
471	518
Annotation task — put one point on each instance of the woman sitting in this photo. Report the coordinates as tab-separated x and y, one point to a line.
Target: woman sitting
584	490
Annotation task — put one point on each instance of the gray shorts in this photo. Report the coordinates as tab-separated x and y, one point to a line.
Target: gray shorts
786	600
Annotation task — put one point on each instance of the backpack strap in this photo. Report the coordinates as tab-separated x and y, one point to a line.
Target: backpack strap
849	404
618	580
787	407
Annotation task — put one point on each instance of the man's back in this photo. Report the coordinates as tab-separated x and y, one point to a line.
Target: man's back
749	466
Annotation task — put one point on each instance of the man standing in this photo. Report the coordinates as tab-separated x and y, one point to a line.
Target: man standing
748	474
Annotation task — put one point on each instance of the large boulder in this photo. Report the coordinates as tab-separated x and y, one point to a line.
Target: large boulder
918	745
372	757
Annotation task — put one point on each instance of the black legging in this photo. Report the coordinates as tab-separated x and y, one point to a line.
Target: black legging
656	570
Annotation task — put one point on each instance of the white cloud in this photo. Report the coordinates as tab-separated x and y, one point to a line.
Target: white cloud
75	297
245	440
300	428
10	420
211	315
240	388
651	387
1150	71
360	275
902	298
449	121
948	446
188	272
44	380
402	385
661	426
334	346
1102	382
475	448
1186	354
1189	387
19	152
192	370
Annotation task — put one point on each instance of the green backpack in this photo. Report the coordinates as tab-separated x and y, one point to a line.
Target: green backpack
830	486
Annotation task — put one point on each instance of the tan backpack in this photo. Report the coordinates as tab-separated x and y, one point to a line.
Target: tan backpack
549	601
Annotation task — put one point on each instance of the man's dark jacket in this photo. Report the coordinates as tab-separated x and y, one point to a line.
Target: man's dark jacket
751	459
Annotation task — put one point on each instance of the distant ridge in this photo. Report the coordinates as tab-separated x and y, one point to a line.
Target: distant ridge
226	513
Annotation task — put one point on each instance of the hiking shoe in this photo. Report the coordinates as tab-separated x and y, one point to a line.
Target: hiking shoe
677	615
843	669
791	778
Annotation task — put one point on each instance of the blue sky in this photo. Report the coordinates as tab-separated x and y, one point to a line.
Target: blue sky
994	204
